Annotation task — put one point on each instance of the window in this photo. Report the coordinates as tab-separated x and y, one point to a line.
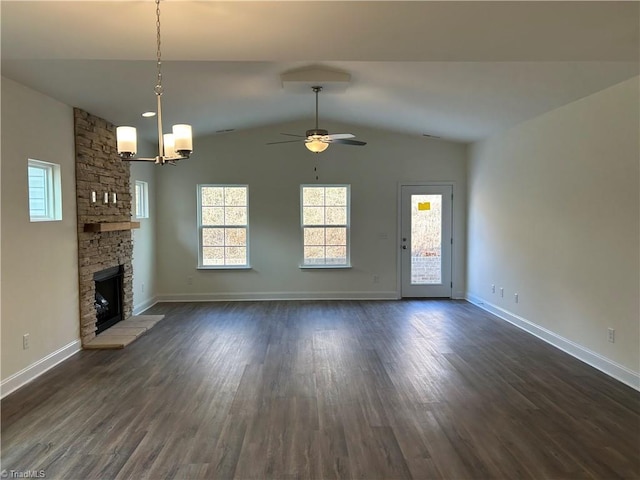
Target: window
45	198
325	225
223	222
142	199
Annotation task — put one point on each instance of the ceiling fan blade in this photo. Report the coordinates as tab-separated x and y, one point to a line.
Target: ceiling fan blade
338	136
293	135
287	141
348	142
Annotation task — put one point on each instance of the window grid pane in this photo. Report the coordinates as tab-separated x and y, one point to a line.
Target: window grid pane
142	199
213	237
213	256
314	236
38	194
313	196
224	225
336	215
235	215
235	196
236	237
336	236
138	200
43	188
212	196
313	215
325	214
336	196
212	216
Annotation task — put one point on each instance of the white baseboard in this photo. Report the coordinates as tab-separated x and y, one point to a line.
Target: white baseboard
255	296
605	365
36	369
143	306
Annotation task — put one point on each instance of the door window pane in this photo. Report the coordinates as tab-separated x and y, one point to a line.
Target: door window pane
426	239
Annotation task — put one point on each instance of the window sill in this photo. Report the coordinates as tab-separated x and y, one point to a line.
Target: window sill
322	267
37	220
224	267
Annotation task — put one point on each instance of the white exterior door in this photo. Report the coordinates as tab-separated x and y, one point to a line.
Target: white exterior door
426	240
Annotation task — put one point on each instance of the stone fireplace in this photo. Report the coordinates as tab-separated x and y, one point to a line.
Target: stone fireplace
104	216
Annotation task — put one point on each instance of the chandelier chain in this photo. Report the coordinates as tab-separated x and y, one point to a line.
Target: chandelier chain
158	88
177	145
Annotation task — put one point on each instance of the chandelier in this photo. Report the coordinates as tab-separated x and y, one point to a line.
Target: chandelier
171	146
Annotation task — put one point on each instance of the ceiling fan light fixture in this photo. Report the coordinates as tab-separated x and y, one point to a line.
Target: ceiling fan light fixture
317	140
316	145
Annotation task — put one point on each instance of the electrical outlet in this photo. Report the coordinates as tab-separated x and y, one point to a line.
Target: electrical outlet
189	280
501	292
515	297
493	289
376	279
612	335
25	341
142	287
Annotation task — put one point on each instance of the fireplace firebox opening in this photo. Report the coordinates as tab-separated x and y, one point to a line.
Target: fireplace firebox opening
108	297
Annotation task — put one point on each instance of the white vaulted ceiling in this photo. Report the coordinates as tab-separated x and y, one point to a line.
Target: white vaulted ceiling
460	70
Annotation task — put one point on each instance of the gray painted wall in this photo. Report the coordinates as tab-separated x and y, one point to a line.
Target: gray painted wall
274	174
554	215
144	240
39	259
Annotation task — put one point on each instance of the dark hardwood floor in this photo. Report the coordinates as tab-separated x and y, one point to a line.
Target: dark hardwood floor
352	389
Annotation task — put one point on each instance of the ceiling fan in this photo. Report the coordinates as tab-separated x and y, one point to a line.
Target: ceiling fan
318	140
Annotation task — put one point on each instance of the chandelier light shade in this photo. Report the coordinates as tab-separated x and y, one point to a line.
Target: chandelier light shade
182	137
127	142
171	146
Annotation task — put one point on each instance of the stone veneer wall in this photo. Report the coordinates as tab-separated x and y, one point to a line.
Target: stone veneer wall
100	170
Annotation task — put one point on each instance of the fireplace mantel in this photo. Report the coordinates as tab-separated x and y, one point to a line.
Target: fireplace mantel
110	226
